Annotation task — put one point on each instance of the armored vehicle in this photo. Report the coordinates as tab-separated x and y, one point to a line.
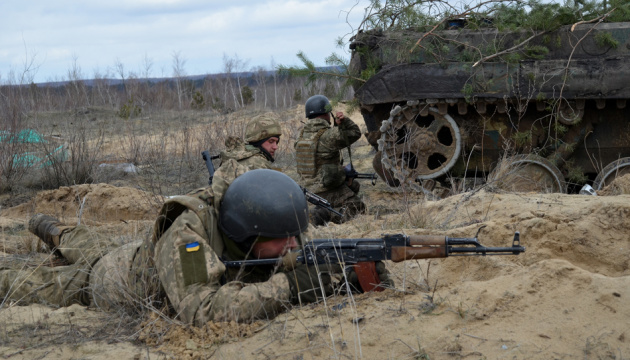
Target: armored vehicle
541	111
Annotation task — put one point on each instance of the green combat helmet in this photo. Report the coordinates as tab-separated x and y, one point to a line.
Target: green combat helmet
262	127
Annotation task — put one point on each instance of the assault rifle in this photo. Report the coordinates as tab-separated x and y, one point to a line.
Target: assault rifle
209	165
319	201
362	253
351	173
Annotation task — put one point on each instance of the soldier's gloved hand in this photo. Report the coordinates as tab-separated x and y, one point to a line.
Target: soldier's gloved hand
381	271
305	283
350	171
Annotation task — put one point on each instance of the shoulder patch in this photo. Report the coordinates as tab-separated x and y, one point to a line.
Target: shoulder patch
194	246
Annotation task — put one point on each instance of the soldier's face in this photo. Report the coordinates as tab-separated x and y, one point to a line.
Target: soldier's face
271	145
274	248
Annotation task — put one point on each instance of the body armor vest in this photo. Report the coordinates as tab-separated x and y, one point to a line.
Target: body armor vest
306	151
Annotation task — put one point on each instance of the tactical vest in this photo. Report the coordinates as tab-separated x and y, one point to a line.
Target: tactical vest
306	153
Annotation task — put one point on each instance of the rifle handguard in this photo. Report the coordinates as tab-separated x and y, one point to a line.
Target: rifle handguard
428	246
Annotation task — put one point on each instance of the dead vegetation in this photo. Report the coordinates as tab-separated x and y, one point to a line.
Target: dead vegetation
573	271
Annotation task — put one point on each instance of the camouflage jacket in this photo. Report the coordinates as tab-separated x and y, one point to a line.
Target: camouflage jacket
236	159
188	248
245	154
328	173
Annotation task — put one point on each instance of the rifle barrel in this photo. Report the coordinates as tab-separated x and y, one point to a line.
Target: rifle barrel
470	251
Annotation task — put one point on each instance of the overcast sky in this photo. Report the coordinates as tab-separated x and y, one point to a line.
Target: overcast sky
54	35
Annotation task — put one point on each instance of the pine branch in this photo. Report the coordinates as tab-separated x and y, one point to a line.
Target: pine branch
513	48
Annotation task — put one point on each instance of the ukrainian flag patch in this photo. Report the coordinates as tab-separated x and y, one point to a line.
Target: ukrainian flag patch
192	247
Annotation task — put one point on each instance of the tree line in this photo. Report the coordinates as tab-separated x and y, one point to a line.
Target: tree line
133	94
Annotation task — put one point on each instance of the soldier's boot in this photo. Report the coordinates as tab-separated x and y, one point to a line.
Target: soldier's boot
48	229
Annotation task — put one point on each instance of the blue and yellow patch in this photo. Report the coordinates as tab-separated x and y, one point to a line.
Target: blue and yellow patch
192	247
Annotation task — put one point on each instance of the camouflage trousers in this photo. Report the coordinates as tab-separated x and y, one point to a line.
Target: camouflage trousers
344	199
97	264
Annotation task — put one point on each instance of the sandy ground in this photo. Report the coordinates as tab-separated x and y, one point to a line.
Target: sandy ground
566	297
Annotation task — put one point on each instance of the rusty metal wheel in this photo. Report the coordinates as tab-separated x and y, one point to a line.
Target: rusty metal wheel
611	172
418	143
527	173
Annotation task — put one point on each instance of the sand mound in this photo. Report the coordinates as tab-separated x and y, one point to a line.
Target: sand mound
619	186
92	202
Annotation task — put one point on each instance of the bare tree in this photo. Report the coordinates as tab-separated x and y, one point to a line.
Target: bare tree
147	66
228	68
179	73
102	88
240	66
260	74
119	68
275	80
29	68
77	92
28	72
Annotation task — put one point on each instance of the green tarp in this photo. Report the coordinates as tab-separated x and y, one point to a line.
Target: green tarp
35	158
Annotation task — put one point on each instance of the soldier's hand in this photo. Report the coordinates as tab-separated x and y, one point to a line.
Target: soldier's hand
306	286
340	117
383	274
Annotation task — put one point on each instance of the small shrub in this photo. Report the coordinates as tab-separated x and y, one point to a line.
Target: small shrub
247	94
129	109
297	95
198	102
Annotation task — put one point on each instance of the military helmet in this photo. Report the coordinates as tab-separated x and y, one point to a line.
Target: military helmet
262	127
263	202
317	105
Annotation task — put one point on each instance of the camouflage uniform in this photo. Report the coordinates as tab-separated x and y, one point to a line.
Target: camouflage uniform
239	157
319	159
61	285
193	278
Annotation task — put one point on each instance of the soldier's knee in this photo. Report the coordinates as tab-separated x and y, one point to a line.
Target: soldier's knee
319	216
355	186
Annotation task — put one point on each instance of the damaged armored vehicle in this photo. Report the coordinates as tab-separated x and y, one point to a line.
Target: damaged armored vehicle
543	111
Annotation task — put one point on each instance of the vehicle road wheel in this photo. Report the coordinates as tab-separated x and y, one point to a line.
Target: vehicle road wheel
527	173
417	147
611	172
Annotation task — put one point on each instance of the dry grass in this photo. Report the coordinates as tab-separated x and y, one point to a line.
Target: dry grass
166	149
